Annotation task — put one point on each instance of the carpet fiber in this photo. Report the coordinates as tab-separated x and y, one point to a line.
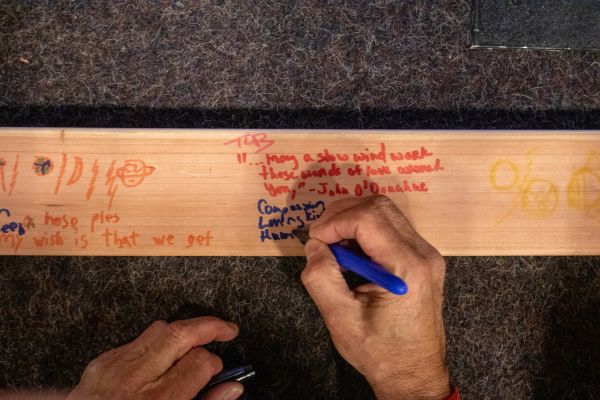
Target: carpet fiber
551	24
518	328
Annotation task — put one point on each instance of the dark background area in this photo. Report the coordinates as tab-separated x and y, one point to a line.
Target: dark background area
562	24
518	328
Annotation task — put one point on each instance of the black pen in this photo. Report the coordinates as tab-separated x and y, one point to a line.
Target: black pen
239	374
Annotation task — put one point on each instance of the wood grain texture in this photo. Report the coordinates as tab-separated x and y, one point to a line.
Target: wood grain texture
241	192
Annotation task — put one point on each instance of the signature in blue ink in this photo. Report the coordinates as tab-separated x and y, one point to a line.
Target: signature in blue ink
276	223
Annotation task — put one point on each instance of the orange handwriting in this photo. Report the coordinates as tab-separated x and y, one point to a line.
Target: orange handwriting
82	241
63	221
112	238
77	171
13	180
164	239
53	240
92	184
199	240
2	181
133	172
61	172
14	239
104	218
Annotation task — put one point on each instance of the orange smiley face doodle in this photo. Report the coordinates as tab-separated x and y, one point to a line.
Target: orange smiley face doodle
133	172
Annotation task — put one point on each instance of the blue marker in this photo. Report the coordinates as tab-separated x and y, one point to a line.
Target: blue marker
361	265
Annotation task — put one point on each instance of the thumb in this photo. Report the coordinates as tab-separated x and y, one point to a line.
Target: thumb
323	278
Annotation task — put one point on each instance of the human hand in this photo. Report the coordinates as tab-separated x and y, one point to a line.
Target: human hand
396	342
165	362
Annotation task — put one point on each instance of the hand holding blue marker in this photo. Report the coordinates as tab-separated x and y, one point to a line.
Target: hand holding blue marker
361	265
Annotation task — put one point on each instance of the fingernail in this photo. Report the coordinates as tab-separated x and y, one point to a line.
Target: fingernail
311	248
232	325
233	393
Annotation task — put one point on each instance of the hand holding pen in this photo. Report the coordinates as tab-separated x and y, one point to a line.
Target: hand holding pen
384	336
360	265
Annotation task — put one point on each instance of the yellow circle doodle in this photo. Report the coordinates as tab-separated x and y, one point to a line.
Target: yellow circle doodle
583	190
539	198
494	174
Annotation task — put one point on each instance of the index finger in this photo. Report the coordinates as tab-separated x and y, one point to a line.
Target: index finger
167	343
379	227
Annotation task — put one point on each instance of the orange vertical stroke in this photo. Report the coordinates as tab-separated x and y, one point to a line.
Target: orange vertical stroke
91	186
18	245
63	166
77	170
13	180
2	182
112	190
110	182
110	177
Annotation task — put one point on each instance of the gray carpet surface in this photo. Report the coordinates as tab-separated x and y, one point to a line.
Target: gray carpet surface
550	24
518	328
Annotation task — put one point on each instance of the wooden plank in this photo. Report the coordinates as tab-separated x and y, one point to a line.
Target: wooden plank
235	192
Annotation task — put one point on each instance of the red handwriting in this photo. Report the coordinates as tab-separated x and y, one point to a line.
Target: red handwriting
367	155
286	175
304	172
368	188
327	157
275	191
334	170
259	141
324	189
377	171
421	168
411	155
282	159
271	173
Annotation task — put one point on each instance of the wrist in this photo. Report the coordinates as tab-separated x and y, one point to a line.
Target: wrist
428	385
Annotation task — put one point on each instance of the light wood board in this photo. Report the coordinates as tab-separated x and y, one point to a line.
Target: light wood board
205	192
